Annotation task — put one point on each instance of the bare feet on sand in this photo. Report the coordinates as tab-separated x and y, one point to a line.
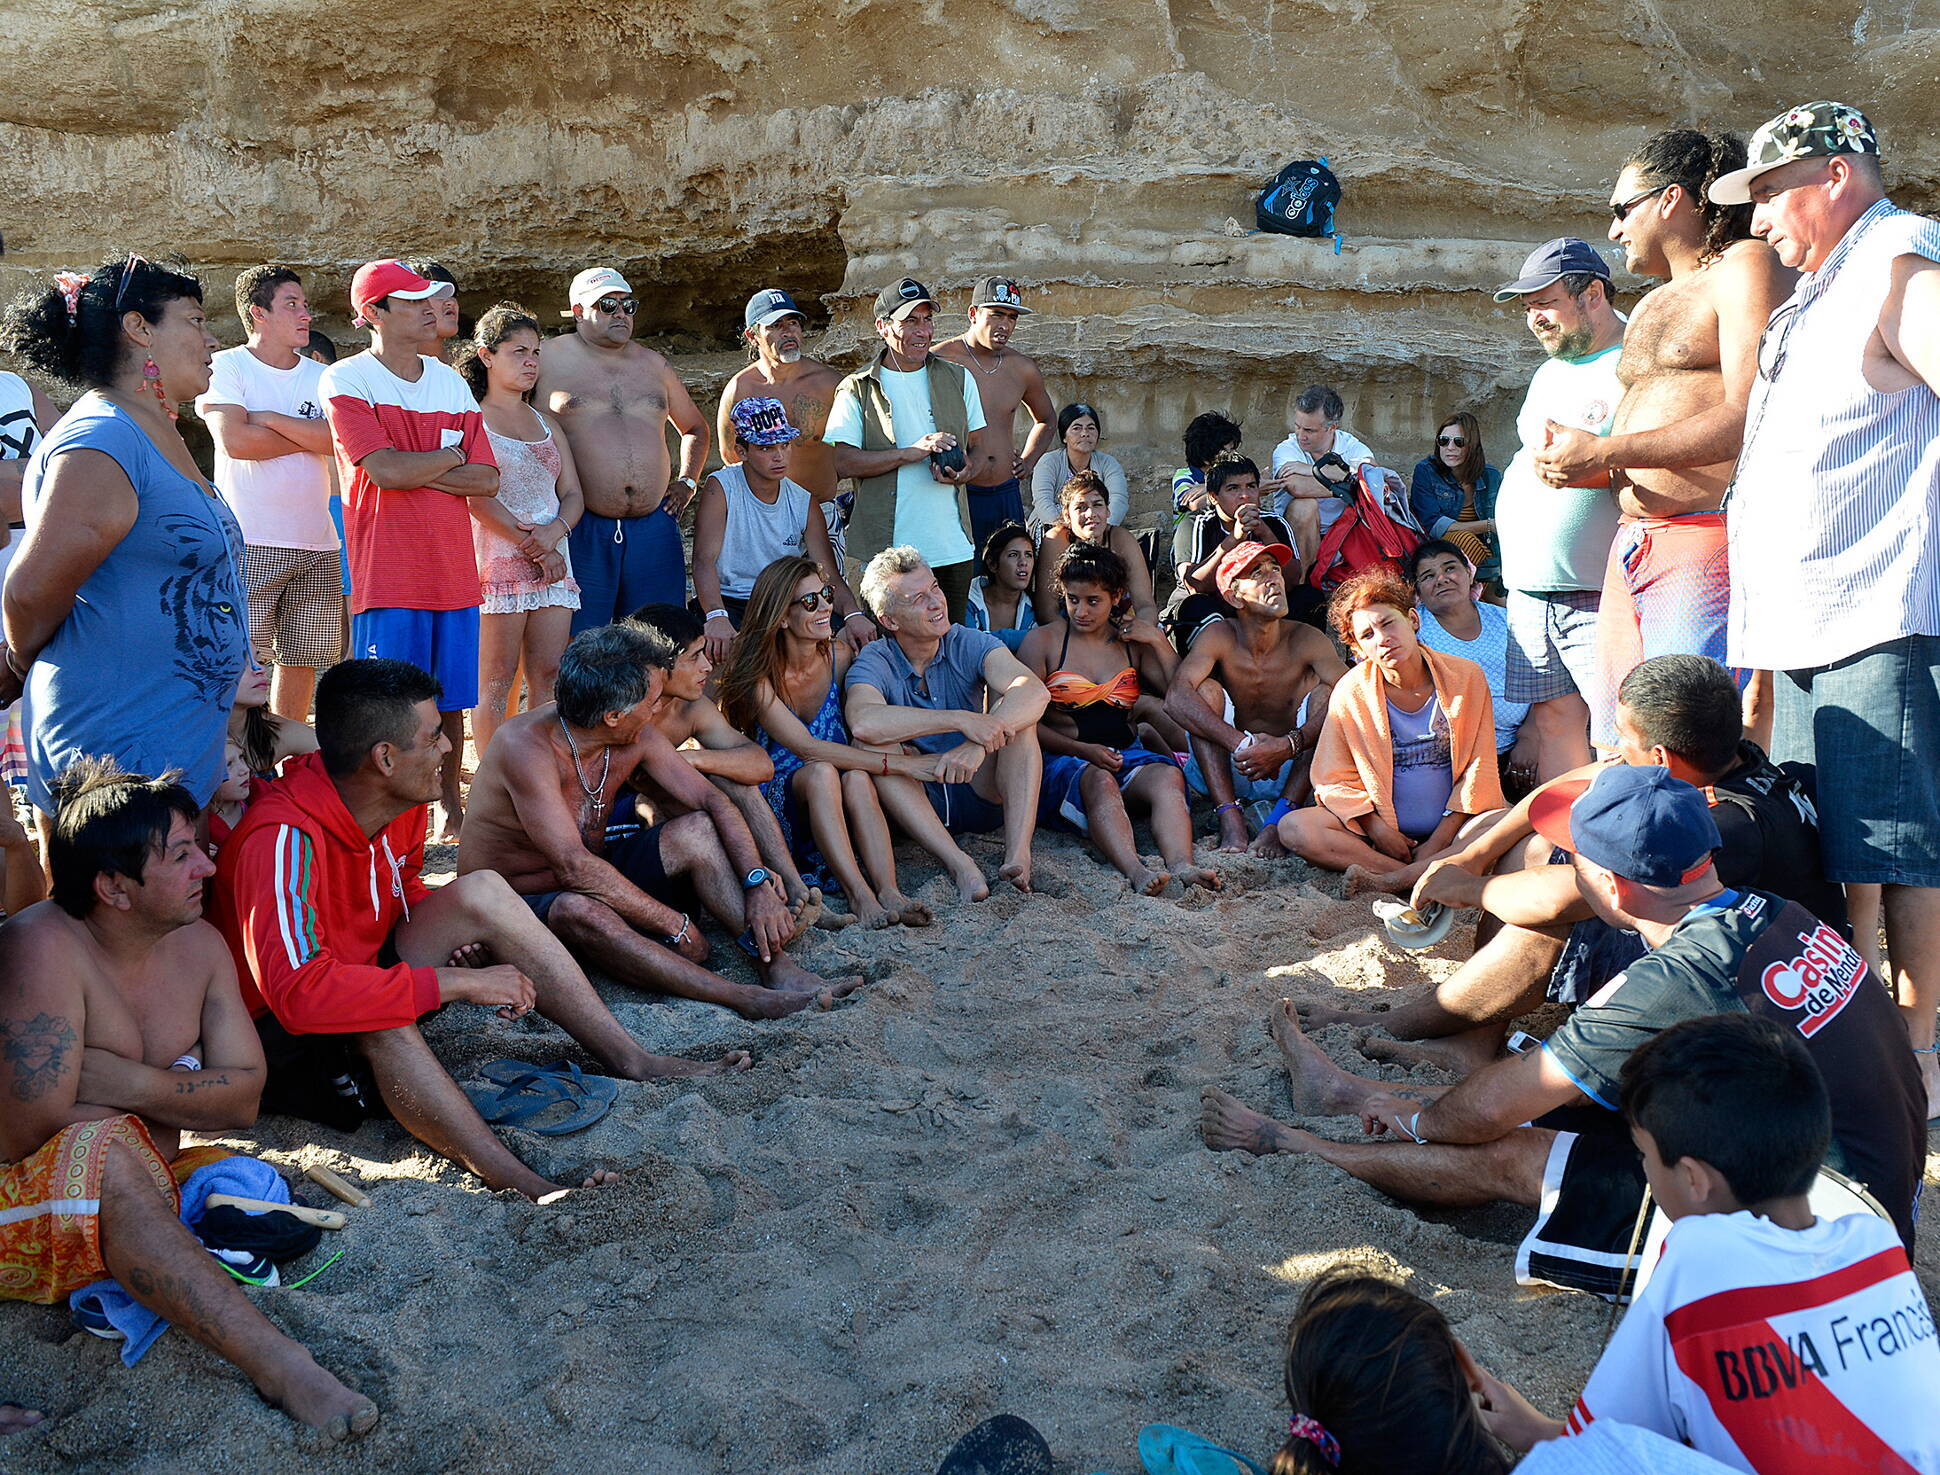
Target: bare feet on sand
1318	1086
1150	883
1227	1126
311	1395
1325	1016
1462	1054
1191	875
873	914
673	1067
598	1178
1266	845
1362	882
790	988
14	1419
909	913
969	880
803	914
1232	832
1018	873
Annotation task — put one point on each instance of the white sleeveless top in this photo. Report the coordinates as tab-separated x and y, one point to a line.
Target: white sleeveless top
757	534
1834	506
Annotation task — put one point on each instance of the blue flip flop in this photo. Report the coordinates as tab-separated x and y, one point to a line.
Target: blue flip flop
1167	1450
521	1093
602	1088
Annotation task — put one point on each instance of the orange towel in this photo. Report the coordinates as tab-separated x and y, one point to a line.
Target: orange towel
1354	760
50	1208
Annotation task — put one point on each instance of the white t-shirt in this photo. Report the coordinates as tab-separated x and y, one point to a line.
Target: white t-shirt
1350	448
1776	1349
1558	538
926	509
1490	651
283	502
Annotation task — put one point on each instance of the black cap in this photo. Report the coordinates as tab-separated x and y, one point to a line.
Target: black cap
895	303
1551	261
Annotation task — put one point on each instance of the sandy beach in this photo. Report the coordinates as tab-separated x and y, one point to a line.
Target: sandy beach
976	1187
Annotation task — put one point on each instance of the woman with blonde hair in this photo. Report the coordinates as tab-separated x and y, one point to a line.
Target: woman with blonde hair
783	685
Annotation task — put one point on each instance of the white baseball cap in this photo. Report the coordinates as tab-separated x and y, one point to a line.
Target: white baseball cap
594	283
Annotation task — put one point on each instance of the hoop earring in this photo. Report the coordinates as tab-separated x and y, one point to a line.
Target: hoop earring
151	380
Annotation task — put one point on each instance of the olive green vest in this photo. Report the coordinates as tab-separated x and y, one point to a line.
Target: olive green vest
872	527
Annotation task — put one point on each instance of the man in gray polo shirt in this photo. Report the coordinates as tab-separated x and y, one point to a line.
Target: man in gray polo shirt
1556	540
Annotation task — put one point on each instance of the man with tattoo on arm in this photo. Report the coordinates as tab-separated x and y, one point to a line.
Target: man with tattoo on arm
121	1026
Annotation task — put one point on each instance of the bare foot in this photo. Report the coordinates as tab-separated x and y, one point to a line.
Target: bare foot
1192	875
833	921
1228	1126
1318	1086
872	914
1323	1016
1149	883
1232	832
1360	881
969	880
909	913
1018	873
14	1418
446	822
598	1178
1266	845
673	1067
803	914
311	1395
1456	1053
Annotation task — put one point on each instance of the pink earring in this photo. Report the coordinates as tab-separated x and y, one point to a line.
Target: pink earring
151	380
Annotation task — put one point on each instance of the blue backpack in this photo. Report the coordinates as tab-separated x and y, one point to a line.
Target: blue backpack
1300	201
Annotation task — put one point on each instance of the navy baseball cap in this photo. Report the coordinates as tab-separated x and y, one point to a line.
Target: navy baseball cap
770	306
1638	822
1551	261
898	302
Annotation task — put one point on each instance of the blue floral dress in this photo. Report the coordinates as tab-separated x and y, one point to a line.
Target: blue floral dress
827	726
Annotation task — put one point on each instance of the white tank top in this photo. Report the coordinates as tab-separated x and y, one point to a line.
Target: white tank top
757	533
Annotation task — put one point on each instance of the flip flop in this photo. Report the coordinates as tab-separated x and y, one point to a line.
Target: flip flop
521	1093
1004	1445
1166	1450
1414	927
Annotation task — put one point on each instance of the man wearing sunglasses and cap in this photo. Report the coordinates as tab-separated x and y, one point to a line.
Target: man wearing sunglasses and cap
1005	379
775	329
910	429
1833	527
1544	1128
614	399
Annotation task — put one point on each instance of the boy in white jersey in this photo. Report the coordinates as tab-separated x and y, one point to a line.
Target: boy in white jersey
1769	1339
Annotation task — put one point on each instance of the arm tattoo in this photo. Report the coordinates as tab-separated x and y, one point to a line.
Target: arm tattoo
36	1049
201	1081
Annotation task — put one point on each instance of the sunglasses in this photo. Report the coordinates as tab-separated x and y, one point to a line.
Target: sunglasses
1451	440
627	305
816	598
135	264
1622	208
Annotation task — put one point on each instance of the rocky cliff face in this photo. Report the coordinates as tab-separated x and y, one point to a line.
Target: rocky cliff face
1094	151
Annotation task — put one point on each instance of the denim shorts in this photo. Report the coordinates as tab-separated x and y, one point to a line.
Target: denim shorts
1875	716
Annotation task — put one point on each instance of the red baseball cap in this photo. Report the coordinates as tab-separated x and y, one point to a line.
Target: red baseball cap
376	280
1243	558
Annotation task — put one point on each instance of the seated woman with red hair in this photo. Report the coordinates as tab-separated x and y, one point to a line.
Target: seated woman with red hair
1406	761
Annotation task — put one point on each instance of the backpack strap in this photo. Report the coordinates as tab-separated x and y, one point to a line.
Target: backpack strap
1330	545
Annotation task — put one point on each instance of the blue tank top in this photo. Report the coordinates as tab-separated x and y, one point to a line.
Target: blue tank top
144	668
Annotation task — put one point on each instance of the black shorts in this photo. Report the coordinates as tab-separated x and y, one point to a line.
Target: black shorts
1594	954
633	849
316	1077
1592	1196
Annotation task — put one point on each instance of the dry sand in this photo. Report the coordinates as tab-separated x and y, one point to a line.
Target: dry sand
976	1187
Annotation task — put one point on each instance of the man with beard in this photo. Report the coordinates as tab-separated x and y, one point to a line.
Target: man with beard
1556	540
1688	362
1005	379
614	398
774	329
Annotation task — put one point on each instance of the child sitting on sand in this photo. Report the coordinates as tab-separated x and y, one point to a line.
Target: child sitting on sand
1766	1337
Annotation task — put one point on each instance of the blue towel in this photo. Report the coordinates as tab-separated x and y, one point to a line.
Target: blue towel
246	1177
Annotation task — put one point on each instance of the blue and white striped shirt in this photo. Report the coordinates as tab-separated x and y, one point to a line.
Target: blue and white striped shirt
1837	494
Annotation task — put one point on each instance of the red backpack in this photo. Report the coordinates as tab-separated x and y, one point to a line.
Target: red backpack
1377	526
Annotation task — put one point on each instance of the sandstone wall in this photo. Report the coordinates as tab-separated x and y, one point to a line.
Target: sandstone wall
1094	150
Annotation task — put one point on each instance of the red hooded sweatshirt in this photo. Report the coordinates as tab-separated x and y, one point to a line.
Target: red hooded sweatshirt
307	903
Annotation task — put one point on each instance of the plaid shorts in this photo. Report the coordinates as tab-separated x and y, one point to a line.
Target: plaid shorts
1552	644
296	606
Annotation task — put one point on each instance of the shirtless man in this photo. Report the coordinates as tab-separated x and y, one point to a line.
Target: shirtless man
614	398
539	817
1689	359
731	760
774	328
1272	678
1005	379
121	1027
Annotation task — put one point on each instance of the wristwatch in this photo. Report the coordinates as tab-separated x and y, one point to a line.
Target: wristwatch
688	482
754	878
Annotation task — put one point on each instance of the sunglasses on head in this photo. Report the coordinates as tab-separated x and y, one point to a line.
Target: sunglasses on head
1451	440
134	264
627	305
1622	208
816	598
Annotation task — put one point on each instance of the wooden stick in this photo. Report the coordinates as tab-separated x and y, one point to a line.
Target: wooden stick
322	1218
355	1197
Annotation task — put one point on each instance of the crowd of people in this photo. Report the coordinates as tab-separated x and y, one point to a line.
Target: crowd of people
1657	700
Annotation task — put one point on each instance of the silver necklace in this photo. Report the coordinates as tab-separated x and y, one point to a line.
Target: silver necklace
995	363
597	793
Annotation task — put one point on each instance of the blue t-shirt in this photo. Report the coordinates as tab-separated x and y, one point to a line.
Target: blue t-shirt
952	682
1490	651
1424	768
143	670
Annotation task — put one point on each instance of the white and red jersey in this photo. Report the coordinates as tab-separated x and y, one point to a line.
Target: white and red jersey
1779	1351
409	548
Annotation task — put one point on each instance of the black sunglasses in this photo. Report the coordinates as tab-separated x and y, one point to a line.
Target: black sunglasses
627	305
135	263
816	598
1451	440
1622	208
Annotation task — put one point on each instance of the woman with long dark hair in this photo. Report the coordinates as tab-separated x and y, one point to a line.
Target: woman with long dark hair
783	685
125	612
1453	492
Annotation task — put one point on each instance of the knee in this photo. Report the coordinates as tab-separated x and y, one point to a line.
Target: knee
821	780
1025	742
1097	785
481	895
857	786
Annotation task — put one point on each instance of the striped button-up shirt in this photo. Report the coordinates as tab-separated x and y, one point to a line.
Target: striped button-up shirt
1837	495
